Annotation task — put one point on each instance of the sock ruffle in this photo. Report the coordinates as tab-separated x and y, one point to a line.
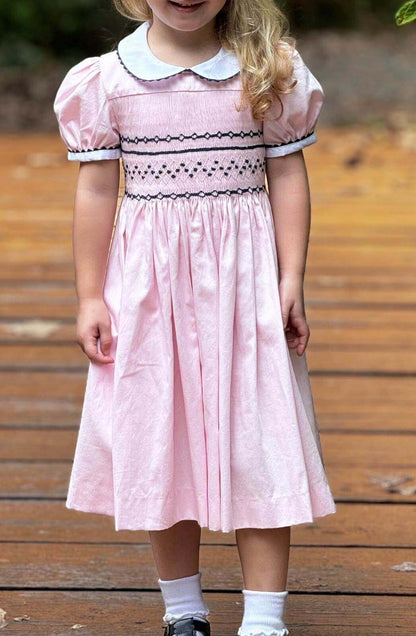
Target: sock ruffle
171	618
280	632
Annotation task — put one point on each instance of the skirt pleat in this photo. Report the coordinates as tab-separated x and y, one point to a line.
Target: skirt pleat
205	414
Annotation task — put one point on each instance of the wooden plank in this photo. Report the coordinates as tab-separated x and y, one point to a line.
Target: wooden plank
360	295
348	402
370	451
57	222
375	257
355	324
131	566
331	284
25	249
44	356
115	613
62	271
44	480
332	259
333	290
348	339
45	399
366	359
343	402
31	330
56	386
353	342
359	484
32	300
20	297
357	525
33	412
32	479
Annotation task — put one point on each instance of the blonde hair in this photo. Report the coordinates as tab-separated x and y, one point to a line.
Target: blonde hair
257	32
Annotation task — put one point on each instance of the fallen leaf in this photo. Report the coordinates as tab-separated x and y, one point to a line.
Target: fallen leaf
404	490
77	626
25	617
353	159
3	622
388	480
406	566
32	328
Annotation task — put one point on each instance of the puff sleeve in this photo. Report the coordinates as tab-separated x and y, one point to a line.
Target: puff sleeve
295	128
84	113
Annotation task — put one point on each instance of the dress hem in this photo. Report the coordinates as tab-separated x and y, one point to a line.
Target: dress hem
312	506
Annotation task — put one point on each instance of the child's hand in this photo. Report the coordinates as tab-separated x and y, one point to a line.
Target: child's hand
93	322
293	312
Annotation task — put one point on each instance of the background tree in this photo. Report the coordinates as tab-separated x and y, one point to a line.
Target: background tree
33	33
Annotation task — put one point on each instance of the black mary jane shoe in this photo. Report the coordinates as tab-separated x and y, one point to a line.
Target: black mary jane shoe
187	627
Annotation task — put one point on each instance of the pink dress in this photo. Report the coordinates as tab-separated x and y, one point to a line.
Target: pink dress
205	413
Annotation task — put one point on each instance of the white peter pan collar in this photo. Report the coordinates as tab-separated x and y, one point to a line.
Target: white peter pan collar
135	55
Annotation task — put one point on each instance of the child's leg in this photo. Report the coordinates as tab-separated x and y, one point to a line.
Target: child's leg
264	556
176	552
176	549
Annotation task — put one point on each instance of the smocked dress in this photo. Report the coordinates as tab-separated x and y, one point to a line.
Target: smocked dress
206	413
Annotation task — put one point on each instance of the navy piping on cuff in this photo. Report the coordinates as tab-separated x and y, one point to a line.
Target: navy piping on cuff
74	152
286	143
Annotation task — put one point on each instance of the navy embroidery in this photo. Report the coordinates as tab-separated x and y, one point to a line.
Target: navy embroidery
183	150
94	149
219	135
135	171
188	195
185	70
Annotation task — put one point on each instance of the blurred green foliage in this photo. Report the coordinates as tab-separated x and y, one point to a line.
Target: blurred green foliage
340	14
406	13
34	32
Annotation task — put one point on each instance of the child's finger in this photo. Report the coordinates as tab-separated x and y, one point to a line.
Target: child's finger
91	349
291	337
105	337
302	345
303	337
89	345
297	333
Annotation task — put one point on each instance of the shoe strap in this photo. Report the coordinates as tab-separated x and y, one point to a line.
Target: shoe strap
187	626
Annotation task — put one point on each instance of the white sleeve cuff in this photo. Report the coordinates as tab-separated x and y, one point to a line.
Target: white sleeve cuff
94	155
285	149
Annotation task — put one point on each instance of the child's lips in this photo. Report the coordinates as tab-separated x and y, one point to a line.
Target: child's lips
186	8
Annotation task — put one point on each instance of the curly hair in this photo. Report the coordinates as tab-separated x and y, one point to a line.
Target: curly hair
257	32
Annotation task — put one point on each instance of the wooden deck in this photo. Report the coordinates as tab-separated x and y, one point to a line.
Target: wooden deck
61	569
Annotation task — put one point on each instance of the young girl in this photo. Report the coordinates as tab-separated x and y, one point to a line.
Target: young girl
198	409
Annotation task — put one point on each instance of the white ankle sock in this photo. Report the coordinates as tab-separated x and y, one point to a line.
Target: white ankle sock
263	613
183	598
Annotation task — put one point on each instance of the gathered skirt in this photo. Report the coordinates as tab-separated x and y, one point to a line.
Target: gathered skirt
205	413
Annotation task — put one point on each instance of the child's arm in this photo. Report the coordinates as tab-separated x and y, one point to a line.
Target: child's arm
288	128
290	200
94	211
89	129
